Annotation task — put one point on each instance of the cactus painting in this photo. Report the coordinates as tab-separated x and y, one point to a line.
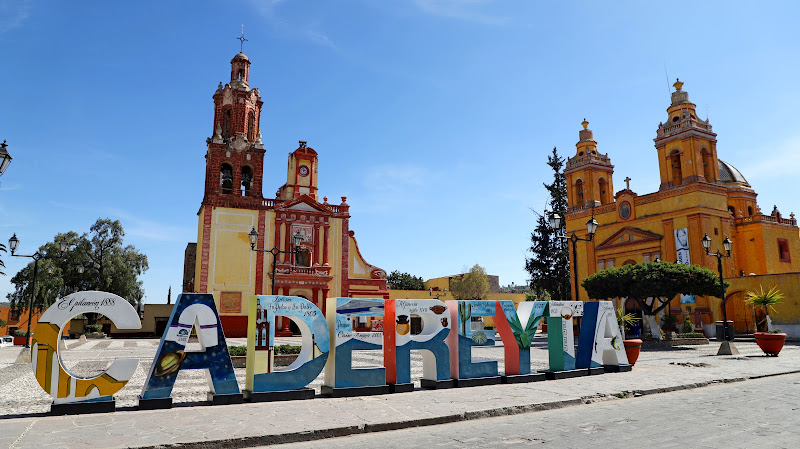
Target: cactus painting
464	315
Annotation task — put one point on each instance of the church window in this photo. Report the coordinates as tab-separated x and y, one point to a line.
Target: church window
708	167
749	210
625	210
732	210
676	118
303	258
783	250
226	123
603	191
579	193
251	128
226	178
677	171
247	180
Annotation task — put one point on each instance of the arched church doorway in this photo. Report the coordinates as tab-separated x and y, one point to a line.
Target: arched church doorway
740	313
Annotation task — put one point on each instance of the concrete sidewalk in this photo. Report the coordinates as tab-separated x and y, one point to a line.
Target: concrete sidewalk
278	422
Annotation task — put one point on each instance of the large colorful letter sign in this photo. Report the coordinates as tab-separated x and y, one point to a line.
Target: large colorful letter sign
462	338
199	311
398	341
261	376
560	338
62	385
518	337
339	372
600	342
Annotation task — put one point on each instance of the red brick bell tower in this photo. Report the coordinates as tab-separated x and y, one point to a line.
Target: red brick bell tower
235	156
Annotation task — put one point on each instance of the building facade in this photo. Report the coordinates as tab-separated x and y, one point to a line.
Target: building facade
699	194
328	263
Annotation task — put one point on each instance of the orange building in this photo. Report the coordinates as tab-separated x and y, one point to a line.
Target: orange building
16	320
699	194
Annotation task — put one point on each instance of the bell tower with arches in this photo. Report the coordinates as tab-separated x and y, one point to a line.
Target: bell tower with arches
235	156
588	174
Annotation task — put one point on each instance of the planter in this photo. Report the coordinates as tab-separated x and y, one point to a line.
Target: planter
771	344
632	349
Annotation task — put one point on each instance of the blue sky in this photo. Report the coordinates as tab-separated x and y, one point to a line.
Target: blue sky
433	117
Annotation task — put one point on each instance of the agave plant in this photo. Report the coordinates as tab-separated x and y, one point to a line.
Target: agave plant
766	299
524	336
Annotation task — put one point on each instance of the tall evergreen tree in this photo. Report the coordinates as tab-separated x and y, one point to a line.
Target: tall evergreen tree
549	265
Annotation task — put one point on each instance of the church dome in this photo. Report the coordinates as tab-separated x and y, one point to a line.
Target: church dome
241	55
729	173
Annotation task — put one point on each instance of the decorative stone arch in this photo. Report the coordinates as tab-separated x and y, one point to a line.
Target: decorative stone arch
579	192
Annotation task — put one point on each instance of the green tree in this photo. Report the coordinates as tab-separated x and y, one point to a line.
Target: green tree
2	322
549	265
404	281
652	285
473	284
107	266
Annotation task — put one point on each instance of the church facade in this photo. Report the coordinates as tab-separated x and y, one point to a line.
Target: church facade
328	262
699	194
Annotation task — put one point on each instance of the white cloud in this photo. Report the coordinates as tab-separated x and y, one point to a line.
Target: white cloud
268	9
460	9
13	13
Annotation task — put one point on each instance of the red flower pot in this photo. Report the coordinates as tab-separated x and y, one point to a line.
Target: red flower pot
771	344
632	349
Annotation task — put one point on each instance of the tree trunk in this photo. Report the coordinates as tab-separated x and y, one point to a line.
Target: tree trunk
655	326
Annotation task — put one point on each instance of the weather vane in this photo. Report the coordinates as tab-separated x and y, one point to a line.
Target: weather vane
242	40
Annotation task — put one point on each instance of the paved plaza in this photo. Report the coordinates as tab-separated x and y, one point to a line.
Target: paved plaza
25	424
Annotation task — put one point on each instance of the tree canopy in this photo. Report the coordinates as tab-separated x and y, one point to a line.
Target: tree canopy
660	280
548	266
473	284
107	266
404	281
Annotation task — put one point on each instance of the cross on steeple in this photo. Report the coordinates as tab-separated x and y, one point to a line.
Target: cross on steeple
627	183
242	40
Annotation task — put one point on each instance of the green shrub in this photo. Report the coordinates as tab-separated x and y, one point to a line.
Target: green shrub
3	323
236	351
20	333
688	327
287	349
93	328
775	331
691	335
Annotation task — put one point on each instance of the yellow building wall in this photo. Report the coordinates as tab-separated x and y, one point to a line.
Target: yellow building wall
787	314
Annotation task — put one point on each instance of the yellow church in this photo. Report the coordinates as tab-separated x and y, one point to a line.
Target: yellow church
319	256
699	195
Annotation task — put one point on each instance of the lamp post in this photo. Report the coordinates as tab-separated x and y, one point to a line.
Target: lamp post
5	158
591	228
13	242
727	347
438	294
298	238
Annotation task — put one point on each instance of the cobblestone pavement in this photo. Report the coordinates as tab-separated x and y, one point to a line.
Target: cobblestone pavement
761	413
195	424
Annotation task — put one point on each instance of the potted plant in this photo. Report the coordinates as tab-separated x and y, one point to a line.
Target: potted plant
771	341
634	345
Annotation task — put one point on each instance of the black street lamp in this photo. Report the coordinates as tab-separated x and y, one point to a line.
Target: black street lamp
298	238
727	244
5	158
591	228
13	242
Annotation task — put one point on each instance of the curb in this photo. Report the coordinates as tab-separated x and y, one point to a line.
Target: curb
320	434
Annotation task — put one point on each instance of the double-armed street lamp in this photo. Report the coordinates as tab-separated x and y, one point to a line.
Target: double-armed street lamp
591	228
726	244
298	238
5	158
436	293
13	243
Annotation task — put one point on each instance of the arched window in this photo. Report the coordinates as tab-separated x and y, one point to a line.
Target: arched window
247	180
251	128
732	210
708	167
226	178
303	258
226	123
749	210
677	171
603	185
579	193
